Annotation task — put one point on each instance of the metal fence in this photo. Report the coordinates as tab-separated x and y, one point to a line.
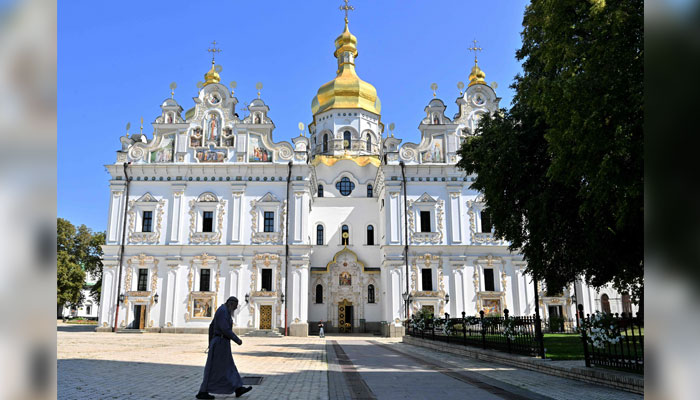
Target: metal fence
510	334
626	349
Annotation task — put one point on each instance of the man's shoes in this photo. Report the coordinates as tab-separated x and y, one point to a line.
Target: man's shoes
204	395
243	390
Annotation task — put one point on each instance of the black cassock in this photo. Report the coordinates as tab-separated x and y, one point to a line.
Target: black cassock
220	373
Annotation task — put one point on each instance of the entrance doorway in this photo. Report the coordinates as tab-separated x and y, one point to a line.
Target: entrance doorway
139	317
265	317
345	316
556	319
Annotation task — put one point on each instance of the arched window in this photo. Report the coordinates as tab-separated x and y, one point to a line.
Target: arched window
370	294
605	303
369	191
319	294
370	235
346	139
369	142
345	186
325	143
319	234
320	190
345	240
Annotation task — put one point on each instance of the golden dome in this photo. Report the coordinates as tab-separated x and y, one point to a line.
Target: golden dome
211	76
347	90
477	76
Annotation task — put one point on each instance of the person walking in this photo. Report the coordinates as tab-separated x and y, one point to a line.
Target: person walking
320	330
220	372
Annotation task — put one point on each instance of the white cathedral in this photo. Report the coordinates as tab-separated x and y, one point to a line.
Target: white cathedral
346	226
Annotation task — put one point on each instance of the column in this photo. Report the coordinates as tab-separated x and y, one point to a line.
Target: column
171	294
176	212
237	190
116	212
455	215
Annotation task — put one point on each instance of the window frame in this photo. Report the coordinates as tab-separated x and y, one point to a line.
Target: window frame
320	228
271	221
143	288
149	219
204	221
202	280
345	183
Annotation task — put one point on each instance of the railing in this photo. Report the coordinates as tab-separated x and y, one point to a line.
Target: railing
559	325
510	334
620	347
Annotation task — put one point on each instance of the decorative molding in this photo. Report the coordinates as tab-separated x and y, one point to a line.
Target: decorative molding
426	237
482	238
134	206
203	261
207	237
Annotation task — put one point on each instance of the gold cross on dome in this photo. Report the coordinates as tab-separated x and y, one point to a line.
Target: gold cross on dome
474	48
213	50
347	7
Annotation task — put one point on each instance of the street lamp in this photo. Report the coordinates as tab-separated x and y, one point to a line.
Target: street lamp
121	298
155	298
282	298
447	298
247	298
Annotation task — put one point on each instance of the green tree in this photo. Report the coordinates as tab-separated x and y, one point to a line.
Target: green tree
79	252
562	171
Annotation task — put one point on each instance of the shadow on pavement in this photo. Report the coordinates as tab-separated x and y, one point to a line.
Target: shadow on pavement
76	328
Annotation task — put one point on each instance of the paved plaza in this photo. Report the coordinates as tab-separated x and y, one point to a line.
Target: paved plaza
169	366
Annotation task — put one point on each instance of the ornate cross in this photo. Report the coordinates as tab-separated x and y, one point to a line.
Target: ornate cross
347	7
213	50
474	48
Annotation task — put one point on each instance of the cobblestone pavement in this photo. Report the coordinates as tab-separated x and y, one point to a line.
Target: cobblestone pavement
169	366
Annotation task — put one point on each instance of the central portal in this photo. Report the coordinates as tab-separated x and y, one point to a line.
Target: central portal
265	317
345	316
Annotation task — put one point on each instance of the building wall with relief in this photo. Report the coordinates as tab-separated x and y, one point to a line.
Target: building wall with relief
312	230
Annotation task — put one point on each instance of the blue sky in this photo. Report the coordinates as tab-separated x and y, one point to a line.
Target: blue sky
117	59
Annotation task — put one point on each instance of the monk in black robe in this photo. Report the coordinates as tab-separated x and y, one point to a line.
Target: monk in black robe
220	372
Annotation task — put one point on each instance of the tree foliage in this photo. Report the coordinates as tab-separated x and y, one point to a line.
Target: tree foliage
562	171
79	253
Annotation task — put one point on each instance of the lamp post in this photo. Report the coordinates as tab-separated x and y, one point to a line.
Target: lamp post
282	298
121	298
247	298
447	298
407	300
155	298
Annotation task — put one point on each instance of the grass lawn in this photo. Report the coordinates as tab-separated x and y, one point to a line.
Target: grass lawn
563	346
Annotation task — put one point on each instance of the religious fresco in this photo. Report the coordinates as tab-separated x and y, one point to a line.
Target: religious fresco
211	155
196	137
436	153
212	127
201	308
345	279
491	306
164	153
257	151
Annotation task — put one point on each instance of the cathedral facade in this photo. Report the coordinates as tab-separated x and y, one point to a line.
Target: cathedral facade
346	225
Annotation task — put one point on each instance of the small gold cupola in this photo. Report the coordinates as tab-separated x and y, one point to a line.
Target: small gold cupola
476	75
347	90
212	76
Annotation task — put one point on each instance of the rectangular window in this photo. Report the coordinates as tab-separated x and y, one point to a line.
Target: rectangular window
427	278
143	280
208	221
204	279
266	279
147	221
485	222
425	221
488	280
269	225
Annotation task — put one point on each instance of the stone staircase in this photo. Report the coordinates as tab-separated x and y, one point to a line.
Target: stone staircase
264	333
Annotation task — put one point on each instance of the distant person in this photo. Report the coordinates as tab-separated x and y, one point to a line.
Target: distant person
320	330
220	372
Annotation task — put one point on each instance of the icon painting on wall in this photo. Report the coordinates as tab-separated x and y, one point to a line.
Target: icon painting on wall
491	306
211	155
257	151
212	126
165	152
345	279
435	153
201	308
